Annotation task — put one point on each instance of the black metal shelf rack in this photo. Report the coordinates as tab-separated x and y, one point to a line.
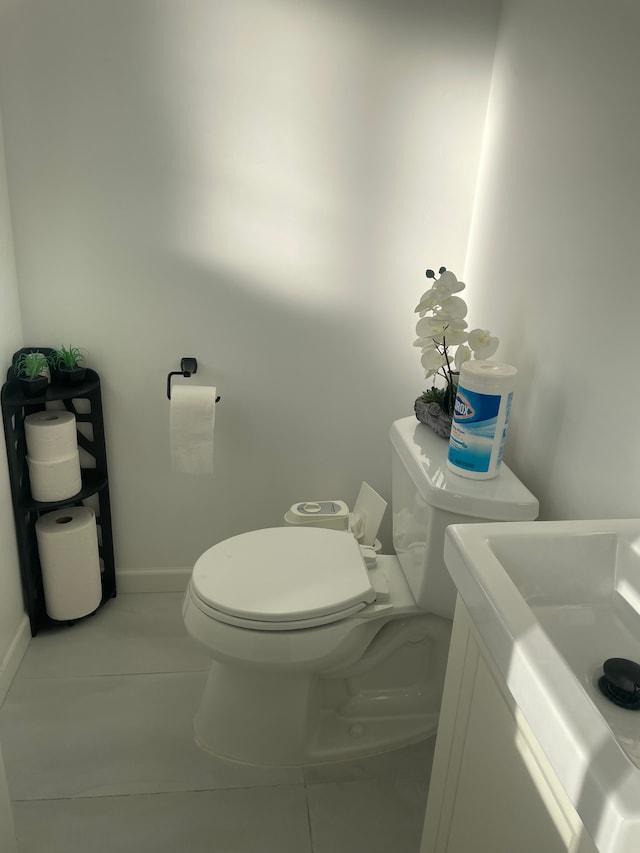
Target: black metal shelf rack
84	400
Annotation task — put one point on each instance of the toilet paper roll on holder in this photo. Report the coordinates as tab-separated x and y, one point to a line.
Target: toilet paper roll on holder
188	366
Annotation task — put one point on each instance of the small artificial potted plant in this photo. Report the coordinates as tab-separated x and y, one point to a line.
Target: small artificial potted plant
442	326
67	363
31	369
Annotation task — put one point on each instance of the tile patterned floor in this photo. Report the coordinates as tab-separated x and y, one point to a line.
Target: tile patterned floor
96	736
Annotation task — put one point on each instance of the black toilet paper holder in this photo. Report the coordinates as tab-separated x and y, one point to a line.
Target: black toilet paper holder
188	366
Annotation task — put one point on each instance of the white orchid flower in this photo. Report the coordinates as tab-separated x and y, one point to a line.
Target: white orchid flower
463	353
423	343
449	282
482	343
428	301
428	327
451	308
442	289
432	361
455	332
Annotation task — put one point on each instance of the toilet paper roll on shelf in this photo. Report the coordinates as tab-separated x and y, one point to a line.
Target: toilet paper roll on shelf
50	434
52	455
69	557
55	480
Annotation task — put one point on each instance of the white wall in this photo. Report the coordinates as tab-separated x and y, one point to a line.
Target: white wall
257	183
12	616
553	260
11	605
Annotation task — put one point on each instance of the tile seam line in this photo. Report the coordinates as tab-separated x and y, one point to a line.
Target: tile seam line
124	796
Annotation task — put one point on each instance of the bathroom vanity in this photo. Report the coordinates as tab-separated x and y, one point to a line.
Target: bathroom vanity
532	752
492	787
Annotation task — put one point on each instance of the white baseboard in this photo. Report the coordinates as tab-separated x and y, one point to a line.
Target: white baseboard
14	655
152	580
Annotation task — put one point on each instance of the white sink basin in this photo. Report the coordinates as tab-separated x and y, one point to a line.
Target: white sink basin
553	601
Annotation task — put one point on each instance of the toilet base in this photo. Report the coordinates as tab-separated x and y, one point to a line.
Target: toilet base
253	717
338	740
293	719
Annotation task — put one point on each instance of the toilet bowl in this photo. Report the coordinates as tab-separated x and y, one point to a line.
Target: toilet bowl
311	625
318	655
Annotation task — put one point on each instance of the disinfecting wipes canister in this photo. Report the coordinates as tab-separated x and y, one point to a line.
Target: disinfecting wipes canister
480	419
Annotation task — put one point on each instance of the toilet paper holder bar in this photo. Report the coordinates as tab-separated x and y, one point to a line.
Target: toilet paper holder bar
188	366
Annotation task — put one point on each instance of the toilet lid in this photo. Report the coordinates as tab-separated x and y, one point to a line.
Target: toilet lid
283	574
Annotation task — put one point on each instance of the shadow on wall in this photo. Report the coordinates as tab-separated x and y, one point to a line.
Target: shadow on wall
249	183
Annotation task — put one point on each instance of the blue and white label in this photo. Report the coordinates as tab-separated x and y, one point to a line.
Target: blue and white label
473	431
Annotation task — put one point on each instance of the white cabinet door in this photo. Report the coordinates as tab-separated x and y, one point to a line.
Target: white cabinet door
492	789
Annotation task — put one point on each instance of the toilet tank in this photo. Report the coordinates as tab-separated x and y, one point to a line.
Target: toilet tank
427	497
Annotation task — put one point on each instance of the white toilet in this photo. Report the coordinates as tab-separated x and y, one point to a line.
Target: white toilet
318	656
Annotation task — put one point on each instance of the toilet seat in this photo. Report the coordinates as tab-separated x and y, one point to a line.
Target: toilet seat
282	578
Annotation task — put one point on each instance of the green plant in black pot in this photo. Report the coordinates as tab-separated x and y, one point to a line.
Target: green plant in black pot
31	368
68	364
